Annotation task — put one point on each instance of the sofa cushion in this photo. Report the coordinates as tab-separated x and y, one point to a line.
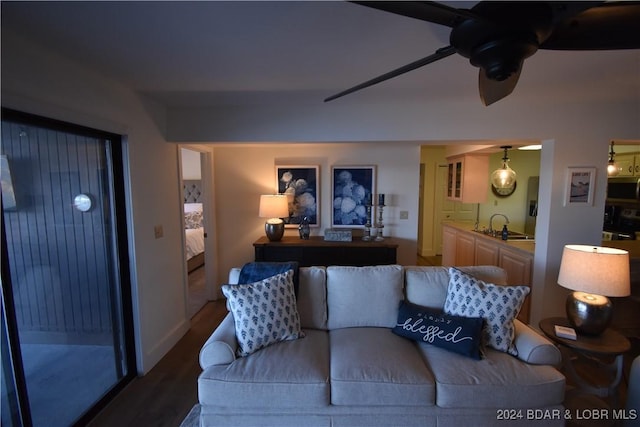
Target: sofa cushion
427	286
497	381
289	374
264	312
312	298
364	296
374	367
462	335
498	305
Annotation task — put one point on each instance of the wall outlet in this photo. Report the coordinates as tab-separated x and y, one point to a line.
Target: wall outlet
158	231
404	214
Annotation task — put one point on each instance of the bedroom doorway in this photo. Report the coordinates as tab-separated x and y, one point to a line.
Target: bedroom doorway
194	170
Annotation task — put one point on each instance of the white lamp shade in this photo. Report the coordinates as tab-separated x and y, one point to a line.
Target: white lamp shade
274	206
595	270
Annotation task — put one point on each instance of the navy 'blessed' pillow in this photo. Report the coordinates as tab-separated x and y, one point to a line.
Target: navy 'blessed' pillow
462	335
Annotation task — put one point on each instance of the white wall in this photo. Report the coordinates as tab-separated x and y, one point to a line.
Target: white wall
246	171
36	81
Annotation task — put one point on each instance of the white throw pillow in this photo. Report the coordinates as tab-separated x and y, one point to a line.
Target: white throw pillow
497	305
264	312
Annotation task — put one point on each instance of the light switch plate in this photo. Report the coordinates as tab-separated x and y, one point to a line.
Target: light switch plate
404	214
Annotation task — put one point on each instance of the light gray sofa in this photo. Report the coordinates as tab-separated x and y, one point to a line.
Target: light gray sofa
351	370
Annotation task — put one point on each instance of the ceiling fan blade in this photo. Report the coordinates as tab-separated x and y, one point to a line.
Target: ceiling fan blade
440	53
425	11
494	90
604	27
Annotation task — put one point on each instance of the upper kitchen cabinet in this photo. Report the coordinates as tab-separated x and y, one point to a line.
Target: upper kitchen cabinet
628	164
468	178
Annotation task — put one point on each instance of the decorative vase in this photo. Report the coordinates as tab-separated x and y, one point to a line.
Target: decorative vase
304	229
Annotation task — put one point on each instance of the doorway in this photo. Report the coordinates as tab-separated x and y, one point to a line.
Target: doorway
67	323
194	170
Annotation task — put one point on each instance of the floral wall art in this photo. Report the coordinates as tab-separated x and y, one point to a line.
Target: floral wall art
353	188
301	184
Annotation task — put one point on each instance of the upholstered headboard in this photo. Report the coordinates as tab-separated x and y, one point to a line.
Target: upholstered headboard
192	191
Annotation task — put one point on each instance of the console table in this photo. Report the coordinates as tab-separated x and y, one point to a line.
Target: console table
317	251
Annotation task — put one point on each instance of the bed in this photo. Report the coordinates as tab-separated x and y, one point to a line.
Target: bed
194	236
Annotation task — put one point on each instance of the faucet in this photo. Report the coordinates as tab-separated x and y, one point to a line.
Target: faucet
491	231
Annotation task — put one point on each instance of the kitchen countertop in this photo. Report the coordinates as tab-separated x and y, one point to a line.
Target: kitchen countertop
632	246
527	246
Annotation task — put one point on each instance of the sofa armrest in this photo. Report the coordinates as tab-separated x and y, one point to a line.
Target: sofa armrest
534	348
220	348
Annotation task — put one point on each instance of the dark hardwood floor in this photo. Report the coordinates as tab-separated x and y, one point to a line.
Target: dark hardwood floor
164	396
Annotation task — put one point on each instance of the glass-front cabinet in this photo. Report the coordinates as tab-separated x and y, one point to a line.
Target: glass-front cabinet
468	178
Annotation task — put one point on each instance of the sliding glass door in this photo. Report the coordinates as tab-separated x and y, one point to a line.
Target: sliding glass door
66	294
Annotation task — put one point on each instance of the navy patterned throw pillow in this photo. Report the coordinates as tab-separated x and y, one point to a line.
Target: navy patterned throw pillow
264	312
497	305
462	335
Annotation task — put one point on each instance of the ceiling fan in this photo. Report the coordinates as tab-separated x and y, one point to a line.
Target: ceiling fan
497	36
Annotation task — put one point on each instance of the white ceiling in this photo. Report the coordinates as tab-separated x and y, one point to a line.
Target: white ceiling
191	54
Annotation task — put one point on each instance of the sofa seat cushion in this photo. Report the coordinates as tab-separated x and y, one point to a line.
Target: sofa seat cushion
289	374
497	381
374	367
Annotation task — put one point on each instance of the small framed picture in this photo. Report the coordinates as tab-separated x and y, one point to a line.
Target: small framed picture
352	189
302	186
580	186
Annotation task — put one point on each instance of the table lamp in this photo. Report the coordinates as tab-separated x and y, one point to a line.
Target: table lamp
593	273
274	207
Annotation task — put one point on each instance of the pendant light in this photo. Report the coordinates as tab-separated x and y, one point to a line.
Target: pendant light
612	167
503	180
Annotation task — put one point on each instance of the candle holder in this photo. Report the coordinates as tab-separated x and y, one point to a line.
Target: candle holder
367	227
379	224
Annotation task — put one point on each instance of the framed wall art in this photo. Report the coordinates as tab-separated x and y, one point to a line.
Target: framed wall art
352	188
580	186
301	183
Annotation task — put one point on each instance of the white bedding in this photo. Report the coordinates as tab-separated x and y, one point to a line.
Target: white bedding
194	242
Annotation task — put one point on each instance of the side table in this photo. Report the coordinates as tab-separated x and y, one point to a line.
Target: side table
598	348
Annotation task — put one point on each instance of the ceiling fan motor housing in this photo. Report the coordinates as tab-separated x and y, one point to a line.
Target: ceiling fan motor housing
505	34
501	58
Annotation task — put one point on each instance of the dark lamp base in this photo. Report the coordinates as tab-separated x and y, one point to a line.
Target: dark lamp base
589	314
274	231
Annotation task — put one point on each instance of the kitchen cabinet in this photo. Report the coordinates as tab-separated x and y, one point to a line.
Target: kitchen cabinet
468	178
448	246
628	163
486	253
518	267
466	247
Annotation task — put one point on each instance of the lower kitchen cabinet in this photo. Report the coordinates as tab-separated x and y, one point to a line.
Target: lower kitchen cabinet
486	253
462	248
